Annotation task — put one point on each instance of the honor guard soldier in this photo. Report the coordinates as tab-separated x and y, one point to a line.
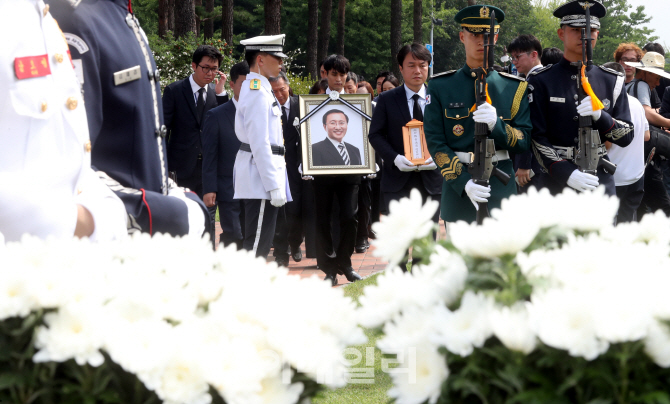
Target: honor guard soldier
260	178
450	117
47	186
556	106
120	84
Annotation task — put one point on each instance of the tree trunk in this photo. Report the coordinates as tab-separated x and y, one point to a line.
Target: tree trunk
162	18
184	17
472	2
324	30
396	34
170	15
272	17
418	16
227	21
312	38
340	27
197	3
209	23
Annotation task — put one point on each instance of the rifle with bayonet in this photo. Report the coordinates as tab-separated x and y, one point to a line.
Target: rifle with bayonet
482	166
590	150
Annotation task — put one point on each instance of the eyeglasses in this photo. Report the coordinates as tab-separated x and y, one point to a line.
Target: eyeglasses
629	60
209	69
516	58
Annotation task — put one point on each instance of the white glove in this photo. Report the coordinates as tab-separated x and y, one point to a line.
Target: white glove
373	176
477	193
304	177
277	199
585	108
486	113
430	165
403	164
196	217
582	181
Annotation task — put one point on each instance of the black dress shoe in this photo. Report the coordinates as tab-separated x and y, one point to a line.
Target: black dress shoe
297	256
282	262
371	233
360	248
351	275
332	278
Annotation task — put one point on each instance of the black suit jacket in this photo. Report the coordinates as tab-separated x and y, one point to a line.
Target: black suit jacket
184	126
219	149
391	114
292	144
324	153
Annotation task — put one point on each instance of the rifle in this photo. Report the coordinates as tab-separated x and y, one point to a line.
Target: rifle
481	167
587	156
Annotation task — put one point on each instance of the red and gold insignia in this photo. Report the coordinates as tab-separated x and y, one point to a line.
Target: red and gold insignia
458	130
32	66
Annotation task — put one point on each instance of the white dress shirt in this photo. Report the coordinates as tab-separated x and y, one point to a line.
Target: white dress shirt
195	87
534	68
410	101
337	147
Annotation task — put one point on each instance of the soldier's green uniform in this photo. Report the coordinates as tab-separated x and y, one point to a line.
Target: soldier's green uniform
449	127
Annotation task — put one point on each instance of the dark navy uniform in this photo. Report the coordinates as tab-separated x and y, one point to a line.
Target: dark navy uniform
120	85
553	112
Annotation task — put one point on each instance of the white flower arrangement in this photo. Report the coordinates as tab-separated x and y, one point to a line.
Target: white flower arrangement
180	317
549	277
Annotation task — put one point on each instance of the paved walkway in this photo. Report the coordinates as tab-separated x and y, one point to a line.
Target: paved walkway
365	264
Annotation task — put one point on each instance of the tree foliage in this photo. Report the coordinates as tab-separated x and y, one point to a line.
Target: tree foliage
368	28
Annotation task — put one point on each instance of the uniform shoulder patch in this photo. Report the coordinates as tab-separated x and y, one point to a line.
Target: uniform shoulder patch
255	84
612	71
540	70
443	74
511	76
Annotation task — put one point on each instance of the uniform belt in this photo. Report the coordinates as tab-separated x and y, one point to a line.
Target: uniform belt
569	153
277	150
466	158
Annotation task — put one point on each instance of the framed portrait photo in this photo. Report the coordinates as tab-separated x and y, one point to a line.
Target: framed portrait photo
335	137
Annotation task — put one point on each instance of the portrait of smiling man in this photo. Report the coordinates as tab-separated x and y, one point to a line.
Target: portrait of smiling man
333	150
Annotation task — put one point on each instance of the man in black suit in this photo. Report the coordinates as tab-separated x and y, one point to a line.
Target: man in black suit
336	258
288	229
333	150
185	104
219	149
395	108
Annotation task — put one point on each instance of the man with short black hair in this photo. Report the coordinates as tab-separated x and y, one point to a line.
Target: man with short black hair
185	115
220	145
344	188
394	110
525	51
551	56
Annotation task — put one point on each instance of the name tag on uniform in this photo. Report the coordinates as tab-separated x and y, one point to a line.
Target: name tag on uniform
32	66
125	76
557	99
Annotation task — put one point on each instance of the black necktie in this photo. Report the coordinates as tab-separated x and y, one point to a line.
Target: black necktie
200	106
416	111
284	114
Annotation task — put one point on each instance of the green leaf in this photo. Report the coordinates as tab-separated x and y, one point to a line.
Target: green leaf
8	380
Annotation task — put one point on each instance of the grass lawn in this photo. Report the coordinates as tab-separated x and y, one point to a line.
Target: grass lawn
359	393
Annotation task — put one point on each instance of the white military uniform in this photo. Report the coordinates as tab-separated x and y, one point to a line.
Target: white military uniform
45	159
258	123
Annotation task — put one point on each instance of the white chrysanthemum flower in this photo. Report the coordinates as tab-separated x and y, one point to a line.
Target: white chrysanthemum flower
511	325
562	319
585	211
490	240
462	330
408	219
420	377
14	297
531	207
440	281
621	316
654	228
657	344
182	380
74	332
